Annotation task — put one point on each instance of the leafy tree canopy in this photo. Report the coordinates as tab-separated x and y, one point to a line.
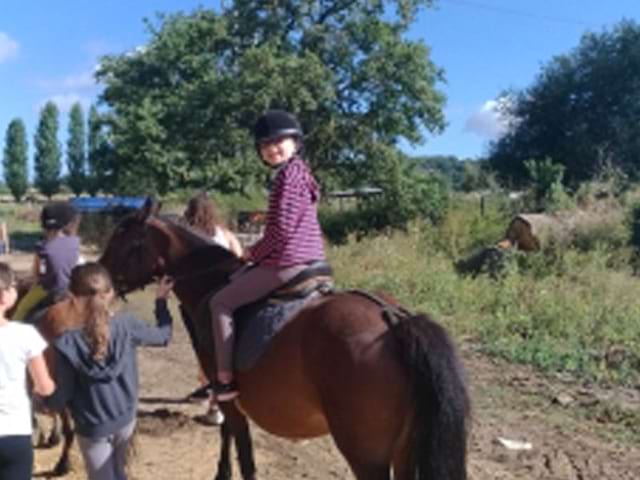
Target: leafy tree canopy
581	112
182	106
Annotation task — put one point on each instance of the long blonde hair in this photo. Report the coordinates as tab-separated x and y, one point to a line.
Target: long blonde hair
92	290
202	214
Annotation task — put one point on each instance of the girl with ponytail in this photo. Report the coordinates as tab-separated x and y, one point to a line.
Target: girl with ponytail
96	369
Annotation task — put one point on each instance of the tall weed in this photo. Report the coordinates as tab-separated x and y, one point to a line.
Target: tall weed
568	314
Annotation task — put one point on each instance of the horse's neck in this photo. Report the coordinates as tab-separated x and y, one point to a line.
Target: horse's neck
200	271
59	318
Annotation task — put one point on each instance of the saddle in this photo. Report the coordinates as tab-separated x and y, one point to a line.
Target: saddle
317	276
257	323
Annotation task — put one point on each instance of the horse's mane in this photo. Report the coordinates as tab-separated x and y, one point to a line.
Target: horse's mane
203	252
185	231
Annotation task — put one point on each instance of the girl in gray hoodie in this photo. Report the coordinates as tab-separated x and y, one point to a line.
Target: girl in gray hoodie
96	369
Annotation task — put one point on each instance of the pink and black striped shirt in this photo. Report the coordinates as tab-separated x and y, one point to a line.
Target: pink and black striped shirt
292	233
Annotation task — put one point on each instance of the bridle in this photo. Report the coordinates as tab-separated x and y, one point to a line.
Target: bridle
135	254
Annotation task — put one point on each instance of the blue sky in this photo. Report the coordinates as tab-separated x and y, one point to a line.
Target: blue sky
48	51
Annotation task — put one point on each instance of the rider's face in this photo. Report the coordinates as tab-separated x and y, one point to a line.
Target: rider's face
278	150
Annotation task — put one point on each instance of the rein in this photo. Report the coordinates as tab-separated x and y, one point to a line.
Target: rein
136	252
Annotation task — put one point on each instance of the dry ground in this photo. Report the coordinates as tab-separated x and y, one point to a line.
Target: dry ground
576	432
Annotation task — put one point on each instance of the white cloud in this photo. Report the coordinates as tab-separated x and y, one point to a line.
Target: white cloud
489	121
8	47
79	81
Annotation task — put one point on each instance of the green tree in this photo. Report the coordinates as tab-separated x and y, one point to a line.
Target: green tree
183	105
48	154
99	175
546	179
76	156
582	110
15	159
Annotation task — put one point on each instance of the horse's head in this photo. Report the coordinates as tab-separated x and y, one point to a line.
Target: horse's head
146	245
137	251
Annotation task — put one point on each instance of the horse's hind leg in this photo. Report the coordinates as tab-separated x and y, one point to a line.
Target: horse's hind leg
64	463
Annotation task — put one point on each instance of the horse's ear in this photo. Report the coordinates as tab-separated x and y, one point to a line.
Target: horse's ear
151	207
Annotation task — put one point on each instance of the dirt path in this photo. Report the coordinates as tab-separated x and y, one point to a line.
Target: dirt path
575	433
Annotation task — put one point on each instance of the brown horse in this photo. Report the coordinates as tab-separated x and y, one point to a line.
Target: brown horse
388	388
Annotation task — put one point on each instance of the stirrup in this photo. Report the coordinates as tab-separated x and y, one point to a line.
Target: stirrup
225	392
200	393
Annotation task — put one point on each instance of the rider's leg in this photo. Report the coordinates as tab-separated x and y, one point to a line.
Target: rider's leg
252	285
34	296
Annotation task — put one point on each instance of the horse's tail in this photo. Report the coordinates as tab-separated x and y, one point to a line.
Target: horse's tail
438	443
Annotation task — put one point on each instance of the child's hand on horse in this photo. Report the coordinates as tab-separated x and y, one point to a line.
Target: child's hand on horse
165	284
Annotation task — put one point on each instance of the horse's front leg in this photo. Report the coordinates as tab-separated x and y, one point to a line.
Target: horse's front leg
54	434
38	436
236	425
224	461
64	462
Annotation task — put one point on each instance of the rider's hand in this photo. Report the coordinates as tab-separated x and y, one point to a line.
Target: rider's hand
165	284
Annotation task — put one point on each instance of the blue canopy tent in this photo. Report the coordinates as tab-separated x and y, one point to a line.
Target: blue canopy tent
107	204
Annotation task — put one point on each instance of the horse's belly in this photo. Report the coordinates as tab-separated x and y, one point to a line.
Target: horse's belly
288	420
277	393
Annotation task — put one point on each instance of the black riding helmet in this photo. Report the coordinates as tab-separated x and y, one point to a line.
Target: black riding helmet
57	215
276	123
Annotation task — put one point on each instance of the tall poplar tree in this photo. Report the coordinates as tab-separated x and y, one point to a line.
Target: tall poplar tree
98	150
15	159
48	154
76	156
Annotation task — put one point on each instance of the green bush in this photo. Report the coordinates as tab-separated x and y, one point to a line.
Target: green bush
408	194
562	311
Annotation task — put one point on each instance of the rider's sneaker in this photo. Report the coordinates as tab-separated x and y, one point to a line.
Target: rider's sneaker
225	392
214	417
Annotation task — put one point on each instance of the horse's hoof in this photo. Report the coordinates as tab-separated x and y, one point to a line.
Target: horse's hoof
41	441
61	468
54	440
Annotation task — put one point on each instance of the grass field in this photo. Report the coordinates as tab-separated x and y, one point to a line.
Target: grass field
573	311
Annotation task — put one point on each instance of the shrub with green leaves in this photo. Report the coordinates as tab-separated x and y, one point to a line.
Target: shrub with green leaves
408	194
569	312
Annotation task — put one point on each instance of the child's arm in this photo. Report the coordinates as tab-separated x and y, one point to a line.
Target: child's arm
159	335
43	384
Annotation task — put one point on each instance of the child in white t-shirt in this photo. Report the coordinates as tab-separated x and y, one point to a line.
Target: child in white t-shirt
21	348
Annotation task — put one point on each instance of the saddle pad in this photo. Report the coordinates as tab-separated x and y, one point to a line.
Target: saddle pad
257	324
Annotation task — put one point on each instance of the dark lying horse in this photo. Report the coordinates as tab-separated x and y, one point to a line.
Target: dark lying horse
390	392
